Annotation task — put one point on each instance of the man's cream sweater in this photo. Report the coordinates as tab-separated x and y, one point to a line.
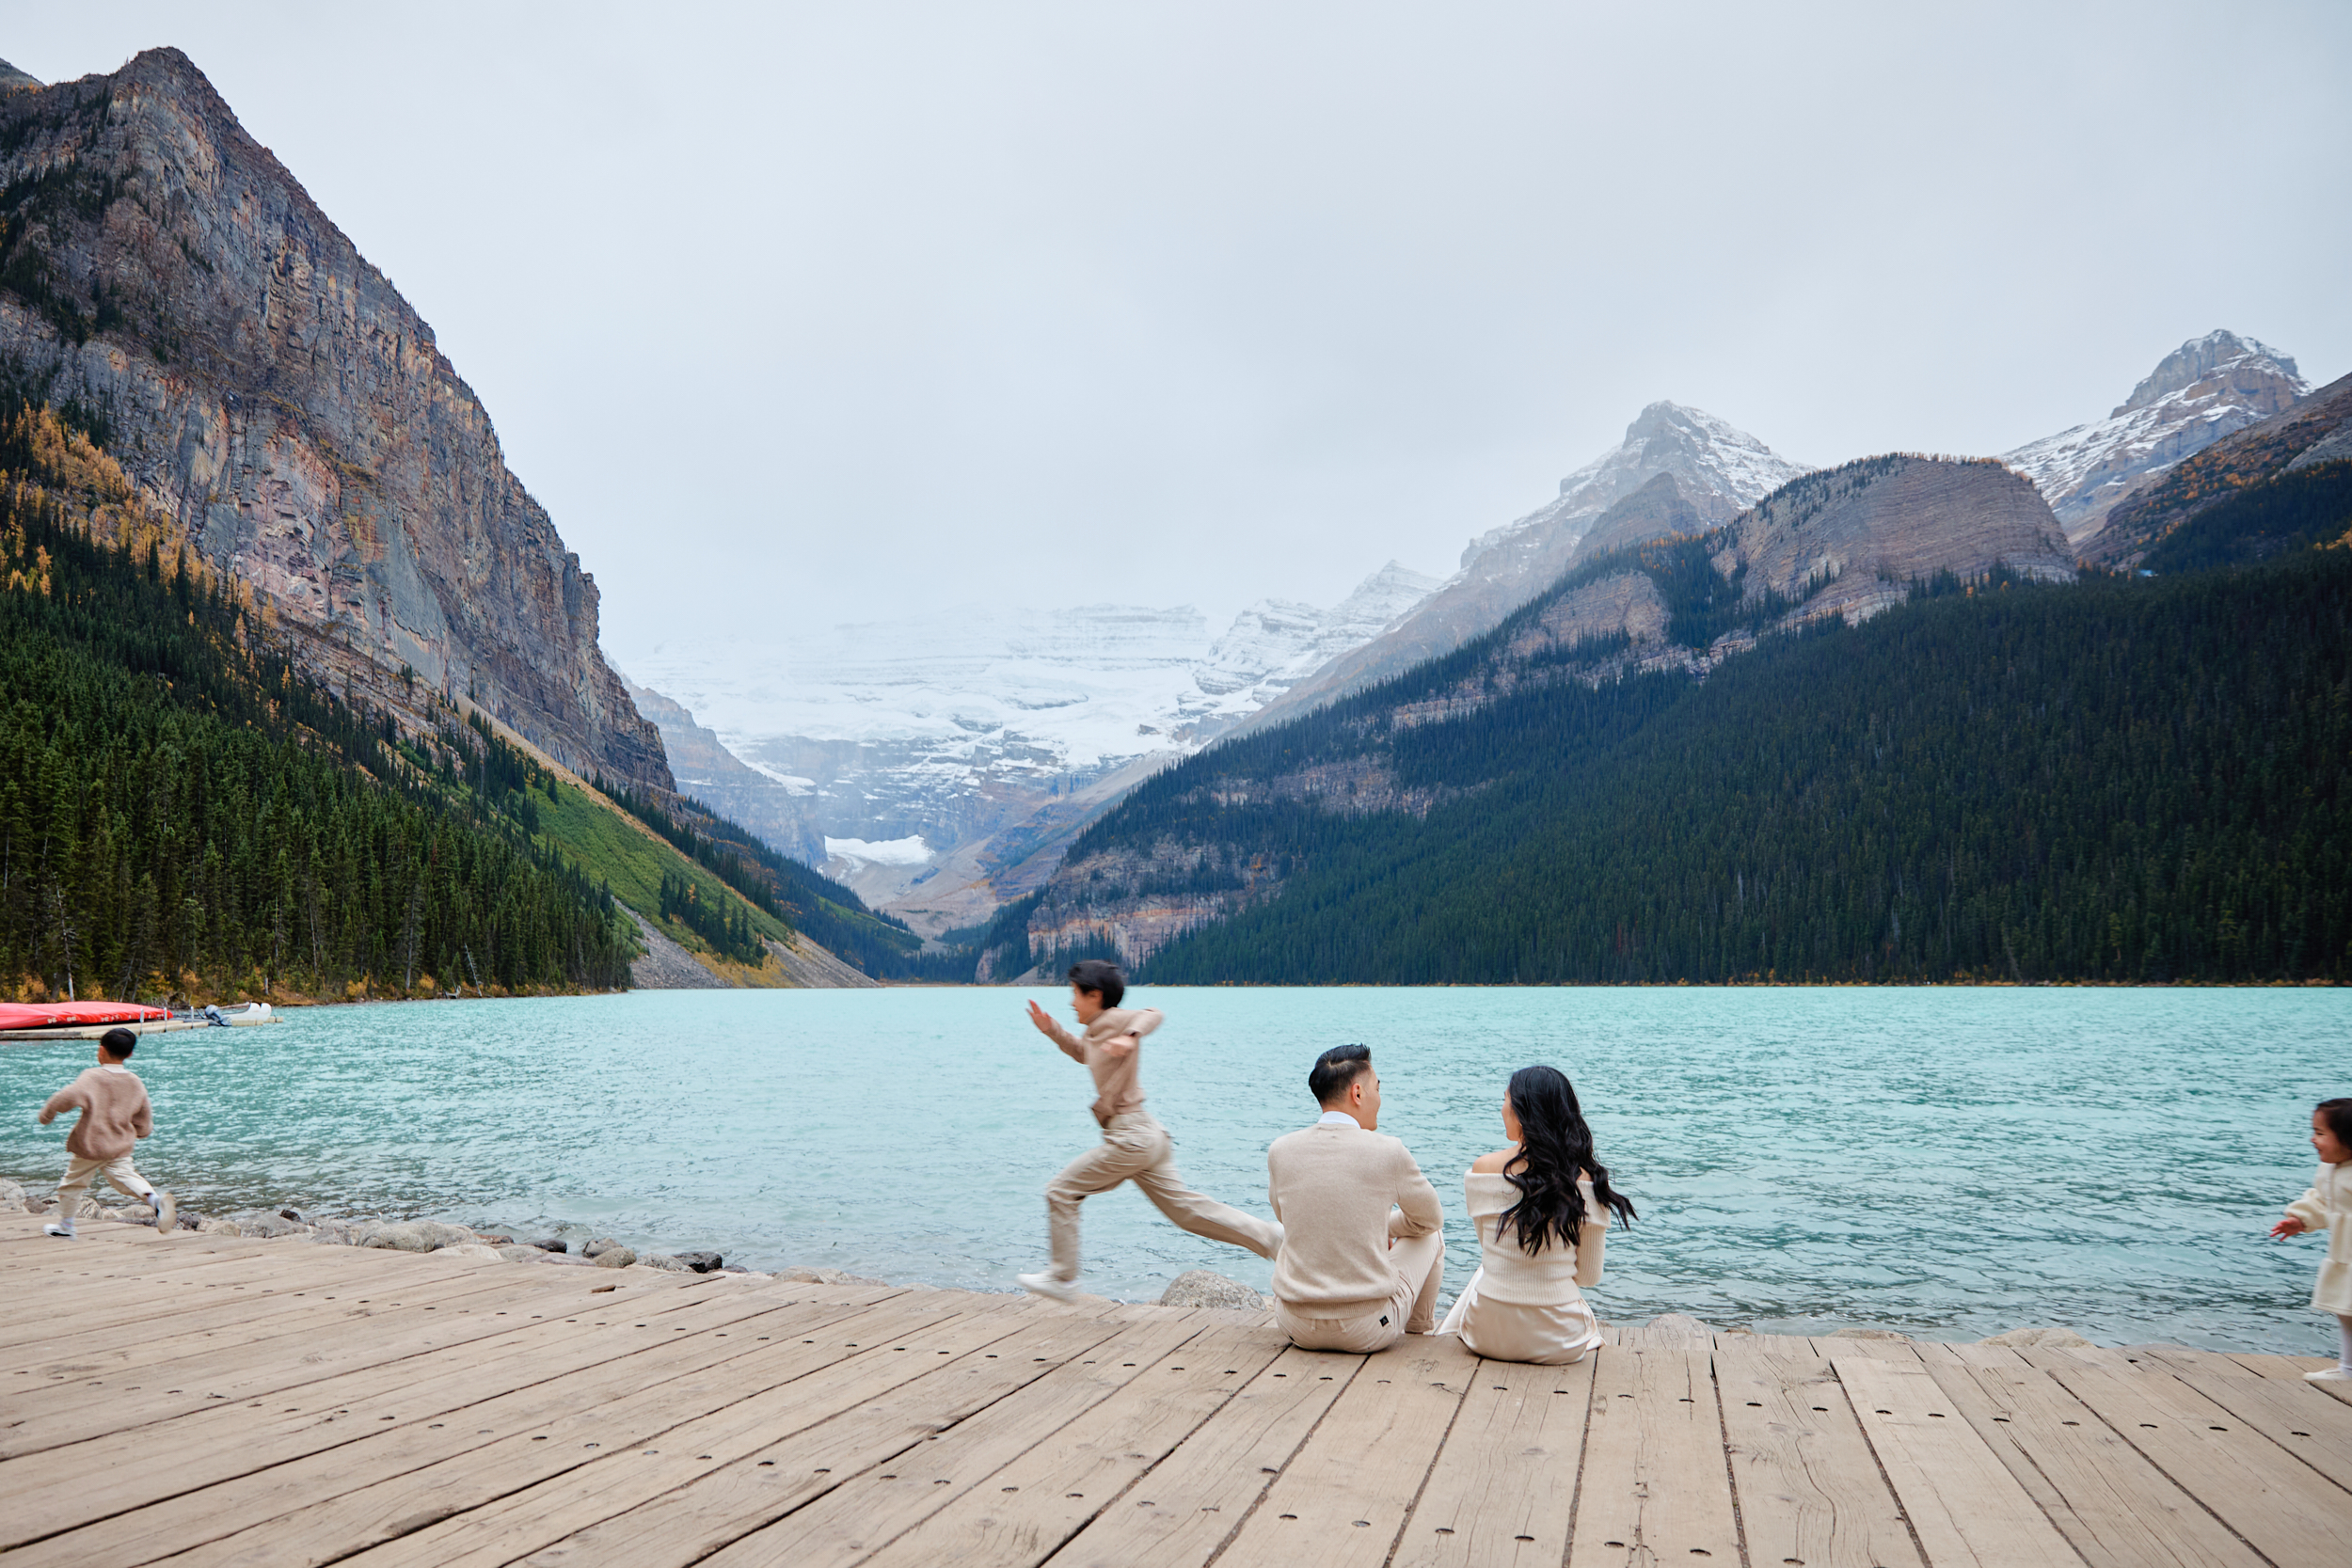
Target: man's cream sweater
1341	1194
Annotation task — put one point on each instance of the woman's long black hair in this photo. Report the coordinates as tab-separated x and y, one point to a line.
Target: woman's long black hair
1555	1147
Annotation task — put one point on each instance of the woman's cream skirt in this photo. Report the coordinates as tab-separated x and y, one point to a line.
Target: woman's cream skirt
1551	1336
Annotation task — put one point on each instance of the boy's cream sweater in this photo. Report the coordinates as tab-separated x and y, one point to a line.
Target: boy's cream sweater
1341	1194
115	1112
1118	1080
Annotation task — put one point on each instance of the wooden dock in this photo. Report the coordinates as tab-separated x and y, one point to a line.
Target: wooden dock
217	1401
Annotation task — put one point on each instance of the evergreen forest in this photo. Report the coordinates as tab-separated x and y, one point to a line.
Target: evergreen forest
2130	779
184	815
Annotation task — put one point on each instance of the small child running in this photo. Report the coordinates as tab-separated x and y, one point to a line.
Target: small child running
1135	1148
114	1115
2328	1206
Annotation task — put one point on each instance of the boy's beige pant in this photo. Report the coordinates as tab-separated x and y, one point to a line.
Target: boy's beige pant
80	1168
1136	1148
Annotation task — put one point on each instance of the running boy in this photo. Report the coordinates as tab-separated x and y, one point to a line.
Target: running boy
1135	1148
114	1115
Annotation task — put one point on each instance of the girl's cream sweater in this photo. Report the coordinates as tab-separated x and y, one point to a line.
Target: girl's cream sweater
2329	1207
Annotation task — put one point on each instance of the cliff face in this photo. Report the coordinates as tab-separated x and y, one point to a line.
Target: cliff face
163	280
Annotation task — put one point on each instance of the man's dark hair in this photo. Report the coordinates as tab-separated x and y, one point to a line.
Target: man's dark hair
119	1043
1335	1070
1100	974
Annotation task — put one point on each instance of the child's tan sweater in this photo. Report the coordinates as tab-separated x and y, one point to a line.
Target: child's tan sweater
2328	1206
1118	1080
115	1112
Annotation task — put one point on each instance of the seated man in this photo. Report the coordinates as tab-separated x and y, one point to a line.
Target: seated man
1363	1247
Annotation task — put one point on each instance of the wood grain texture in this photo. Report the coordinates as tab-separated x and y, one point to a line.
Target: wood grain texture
1342	1499
1656	1485
2117	1510
1503	1487
1965	1508
1809	1490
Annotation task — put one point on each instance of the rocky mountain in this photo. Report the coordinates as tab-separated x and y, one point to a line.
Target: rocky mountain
2200	392
169	285
1716	471
927	759
2316	430
1843	543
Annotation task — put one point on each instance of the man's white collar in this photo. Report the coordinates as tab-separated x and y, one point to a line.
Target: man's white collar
1338	1118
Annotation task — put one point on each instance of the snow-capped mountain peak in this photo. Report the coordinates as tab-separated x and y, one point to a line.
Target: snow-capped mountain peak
1721	469
2200	392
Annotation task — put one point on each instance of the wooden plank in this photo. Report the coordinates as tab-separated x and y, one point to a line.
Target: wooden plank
1344	1499
1021	1514
1808	1487
2118	1510
1503	1486
320	1505
905	1487
79	1481
2289	1513
1902	1352
66	1369
236	1374
1965	1508
2296	1415
112	1303
796	1428
1655	1486
1200	1494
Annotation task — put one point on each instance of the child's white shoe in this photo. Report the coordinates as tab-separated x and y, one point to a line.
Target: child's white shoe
63	1228
167	1214
2330	1374
1047	1286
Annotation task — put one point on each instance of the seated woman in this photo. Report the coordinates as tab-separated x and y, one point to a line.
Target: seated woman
1542	1208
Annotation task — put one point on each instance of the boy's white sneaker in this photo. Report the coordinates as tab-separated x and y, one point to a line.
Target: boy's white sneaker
1047	1286
167	1214
2330	1374
59	1228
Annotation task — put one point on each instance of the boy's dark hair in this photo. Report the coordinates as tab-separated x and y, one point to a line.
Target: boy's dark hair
119	1043
1100	974
1335	1070
2337	1113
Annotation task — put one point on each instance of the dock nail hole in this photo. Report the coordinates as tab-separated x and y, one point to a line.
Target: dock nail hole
767	1464
2062	1423
1289	1515
541	1438
2217	1429
890	1478
1145	1503
588	1445
1008	1489
1522	1538
1823	1407
1364	1524
1756	1404
826	1472
1935	1414
1074	1493
1885	1412
1612	1543
1268	1470
702	1456
434	1427
1445	1530
2298	1433
2149	1426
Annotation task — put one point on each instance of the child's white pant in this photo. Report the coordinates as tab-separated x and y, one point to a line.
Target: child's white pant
81	1169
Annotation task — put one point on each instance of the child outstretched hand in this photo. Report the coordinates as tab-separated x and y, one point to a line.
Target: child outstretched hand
2291	1225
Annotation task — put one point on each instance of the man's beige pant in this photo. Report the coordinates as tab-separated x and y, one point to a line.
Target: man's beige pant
1136	1148
80	1168
1417	1264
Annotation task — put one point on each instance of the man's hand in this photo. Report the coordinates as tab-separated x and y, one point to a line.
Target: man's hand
2291	1225
45	1117
1043	1020
1121	1045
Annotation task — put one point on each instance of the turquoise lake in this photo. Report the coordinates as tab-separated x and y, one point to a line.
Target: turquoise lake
1950	1163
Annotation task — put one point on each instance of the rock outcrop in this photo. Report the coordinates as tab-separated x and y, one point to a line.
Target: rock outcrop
1851	540
165	282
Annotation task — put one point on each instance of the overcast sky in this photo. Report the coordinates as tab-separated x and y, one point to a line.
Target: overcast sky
841	312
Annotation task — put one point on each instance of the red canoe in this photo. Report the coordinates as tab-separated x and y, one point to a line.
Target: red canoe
75	1015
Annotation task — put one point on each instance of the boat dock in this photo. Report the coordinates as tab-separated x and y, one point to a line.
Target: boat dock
150	1026
219	1400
